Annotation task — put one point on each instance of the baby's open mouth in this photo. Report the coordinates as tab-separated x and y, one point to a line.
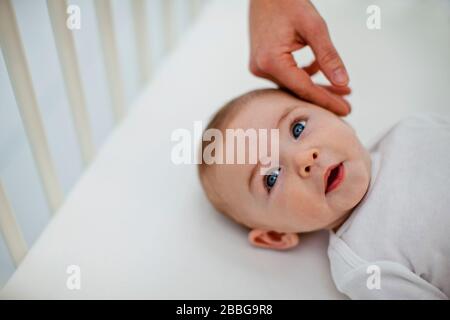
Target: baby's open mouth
333	177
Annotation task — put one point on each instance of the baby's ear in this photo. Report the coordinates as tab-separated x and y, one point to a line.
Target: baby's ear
272	239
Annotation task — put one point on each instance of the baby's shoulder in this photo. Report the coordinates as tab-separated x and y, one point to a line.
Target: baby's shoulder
423	119
418	131
419	126
416	126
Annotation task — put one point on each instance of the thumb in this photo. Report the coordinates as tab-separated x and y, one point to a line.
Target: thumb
328	58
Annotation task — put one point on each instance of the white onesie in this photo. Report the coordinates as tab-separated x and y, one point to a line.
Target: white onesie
396	243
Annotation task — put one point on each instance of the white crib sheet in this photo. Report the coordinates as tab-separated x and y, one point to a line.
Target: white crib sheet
139	226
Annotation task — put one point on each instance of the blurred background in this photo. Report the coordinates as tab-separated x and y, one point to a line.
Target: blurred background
19	175
145	68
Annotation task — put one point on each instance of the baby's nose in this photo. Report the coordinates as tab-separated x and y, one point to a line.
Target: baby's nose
306	160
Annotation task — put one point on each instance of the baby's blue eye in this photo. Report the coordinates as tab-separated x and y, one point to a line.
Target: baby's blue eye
271	179
298	128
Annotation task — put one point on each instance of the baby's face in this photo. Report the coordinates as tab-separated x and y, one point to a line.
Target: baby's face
323	173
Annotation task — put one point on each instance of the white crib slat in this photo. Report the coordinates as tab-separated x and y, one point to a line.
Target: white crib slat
24	93
70	67
195	8
110	54
142	40
169	30
10	229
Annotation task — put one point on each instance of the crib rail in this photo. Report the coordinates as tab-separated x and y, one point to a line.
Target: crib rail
25	93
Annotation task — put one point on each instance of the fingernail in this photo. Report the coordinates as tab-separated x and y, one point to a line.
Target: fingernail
340	76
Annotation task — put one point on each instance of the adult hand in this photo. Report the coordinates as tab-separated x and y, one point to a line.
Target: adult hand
280	27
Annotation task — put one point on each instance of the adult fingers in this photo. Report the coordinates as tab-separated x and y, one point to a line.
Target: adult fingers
341	91
285	71
312	69
331	64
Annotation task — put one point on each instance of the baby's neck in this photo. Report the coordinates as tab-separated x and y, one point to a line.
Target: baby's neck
338	223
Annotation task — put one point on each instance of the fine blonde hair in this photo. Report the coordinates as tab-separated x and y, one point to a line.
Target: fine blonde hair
220	120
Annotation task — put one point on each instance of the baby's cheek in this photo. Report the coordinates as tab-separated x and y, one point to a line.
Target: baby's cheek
348	141
302	207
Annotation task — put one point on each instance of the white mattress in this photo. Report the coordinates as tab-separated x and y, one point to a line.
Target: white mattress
140	227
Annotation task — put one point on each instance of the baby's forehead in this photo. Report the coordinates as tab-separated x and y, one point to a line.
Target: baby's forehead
264	111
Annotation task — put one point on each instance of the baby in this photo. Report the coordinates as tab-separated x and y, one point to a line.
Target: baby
387	208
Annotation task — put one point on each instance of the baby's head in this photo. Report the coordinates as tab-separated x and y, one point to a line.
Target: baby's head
323	171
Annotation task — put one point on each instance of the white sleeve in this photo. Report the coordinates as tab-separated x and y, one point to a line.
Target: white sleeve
361	279
395	282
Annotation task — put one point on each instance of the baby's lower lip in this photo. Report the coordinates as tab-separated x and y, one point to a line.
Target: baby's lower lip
338	180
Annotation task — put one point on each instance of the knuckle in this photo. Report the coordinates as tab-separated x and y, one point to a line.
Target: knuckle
264	62
253	67
322	24
317	26
330	56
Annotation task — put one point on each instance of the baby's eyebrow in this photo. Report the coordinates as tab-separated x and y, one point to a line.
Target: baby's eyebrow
284	115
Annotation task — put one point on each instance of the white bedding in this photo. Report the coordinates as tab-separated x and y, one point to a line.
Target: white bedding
139	226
